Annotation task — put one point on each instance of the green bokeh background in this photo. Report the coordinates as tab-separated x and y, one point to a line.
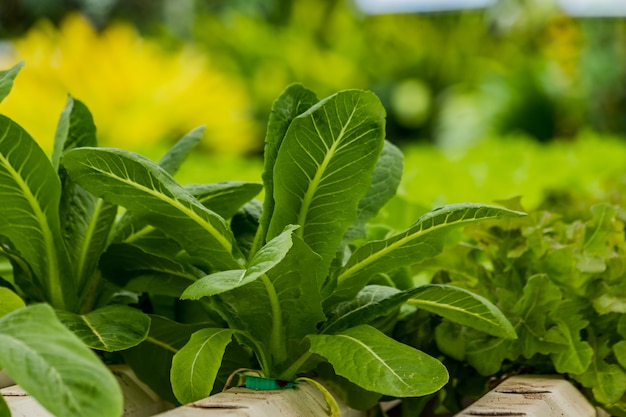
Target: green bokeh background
517	99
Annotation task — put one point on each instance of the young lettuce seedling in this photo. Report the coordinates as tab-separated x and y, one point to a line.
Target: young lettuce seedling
300	295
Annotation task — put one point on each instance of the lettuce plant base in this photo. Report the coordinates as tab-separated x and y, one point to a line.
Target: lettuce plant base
303	401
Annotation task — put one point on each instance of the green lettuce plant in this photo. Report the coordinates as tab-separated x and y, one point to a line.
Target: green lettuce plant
294	282
55	241
560	282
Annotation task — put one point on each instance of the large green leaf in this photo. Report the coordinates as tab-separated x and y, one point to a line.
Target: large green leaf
151	194
151	360
55	367
111	328
85	219
385	181
423	240
292	102
9	301
377	363
463	307
455	304
6	79
195	366
29	214
265	259
324	167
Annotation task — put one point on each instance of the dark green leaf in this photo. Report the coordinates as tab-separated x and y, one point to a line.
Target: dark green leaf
385	181
245	225
29	216
225	198
4	408
75	129
151	194
174	158
85	220
380	364
146	272
151	360
324	167
292	102
110	328
55	367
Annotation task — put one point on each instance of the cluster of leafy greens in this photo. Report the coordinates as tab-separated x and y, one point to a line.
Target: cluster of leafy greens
561	284
287	286
286	279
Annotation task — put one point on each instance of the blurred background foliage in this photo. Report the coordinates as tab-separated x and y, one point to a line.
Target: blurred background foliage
519	98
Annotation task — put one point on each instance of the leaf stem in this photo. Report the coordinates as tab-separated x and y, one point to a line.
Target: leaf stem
90	292
277	341
290	373
259	352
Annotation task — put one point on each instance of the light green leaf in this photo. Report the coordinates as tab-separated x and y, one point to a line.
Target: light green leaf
55	367
174	158
576	357
152	195
265	259
225	198
111	328
6	79
292	102
487	355
606	380
217	283
423	240
385	181
601	231
324	167
195	366
151	360
377	363
9	301
29	218
620	352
